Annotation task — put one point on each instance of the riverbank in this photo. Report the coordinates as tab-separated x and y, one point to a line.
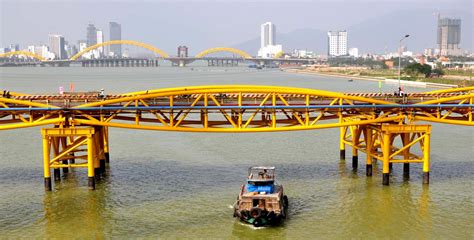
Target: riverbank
422	84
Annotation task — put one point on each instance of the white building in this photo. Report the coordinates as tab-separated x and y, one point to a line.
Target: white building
100	39
267	34
57	46
41	50
268	46
302	53
82	45
354	52
430	52
407	54
337	43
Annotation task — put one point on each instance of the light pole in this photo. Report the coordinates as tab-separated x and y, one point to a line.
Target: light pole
400	59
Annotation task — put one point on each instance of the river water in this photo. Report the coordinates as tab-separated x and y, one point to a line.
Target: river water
182	185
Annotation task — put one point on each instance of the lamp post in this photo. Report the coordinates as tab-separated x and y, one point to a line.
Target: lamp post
400	59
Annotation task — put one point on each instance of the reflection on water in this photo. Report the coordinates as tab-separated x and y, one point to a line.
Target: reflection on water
180	185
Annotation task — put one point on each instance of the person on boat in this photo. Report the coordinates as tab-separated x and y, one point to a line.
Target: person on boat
102	93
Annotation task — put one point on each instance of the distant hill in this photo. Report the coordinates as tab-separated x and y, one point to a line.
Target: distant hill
374	35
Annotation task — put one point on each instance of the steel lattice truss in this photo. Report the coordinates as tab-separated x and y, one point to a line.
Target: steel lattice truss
235	109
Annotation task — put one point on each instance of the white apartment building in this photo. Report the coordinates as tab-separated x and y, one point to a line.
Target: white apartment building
268	46
41	50
353	52
100	39
337	43
57	46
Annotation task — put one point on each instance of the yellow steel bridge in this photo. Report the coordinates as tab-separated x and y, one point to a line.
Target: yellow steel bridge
383	126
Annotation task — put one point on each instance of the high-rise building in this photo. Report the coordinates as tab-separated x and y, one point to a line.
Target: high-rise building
14	47
449	36
182	51
40	50
429	52
268	46
82	45
115	34
71	49
267	34
91	37
100	39
337	43
57	46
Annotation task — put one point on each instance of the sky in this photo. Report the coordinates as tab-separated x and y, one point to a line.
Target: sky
205	24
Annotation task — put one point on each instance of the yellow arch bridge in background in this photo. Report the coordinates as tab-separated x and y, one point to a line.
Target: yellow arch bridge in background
23	53
158	51
125	42
223	49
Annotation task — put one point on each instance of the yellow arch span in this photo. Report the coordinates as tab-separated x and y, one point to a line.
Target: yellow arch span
453	90
223	49
25	53
125	42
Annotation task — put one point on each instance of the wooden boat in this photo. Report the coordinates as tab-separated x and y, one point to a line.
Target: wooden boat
261	200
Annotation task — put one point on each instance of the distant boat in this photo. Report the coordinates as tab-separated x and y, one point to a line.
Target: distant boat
350	80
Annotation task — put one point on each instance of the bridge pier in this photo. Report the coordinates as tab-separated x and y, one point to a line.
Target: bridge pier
369	149
406	155
55	140
390	153
342	145
355	141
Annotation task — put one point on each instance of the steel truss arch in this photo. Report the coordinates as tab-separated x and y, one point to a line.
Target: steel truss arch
125	42
223	49
24	53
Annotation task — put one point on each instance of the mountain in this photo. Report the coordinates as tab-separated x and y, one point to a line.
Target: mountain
375	35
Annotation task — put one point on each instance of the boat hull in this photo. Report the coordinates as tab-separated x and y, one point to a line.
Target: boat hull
260	217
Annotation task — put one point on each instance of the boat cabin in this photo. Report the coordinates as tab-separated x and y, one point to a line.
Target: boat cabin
261	180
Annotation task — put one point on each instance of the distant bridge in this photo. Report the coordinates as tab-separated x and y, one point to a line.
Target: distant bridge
241	56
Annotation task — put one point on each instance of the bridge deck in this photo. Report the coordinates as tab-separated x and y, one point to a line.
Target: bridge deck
237	108
72	100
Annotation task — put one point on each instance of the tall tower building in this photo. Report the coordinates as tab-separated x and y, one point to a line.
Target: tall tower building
449	36
91	37
268	46
267	34
182	51
115	34
100	39
337	43
57	46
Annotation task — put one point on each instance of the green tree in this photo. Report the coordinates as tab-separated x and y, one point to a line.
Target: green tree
415	69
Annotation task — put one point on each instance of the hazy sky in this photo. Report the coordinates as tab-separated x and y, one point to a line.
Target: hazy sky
202	24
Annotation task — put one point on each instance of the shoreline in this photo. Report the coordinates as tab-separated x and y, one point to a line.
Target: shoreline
373	79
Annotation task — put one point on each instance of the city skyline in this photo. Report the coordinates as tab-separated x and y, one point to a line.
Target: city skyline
196	35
